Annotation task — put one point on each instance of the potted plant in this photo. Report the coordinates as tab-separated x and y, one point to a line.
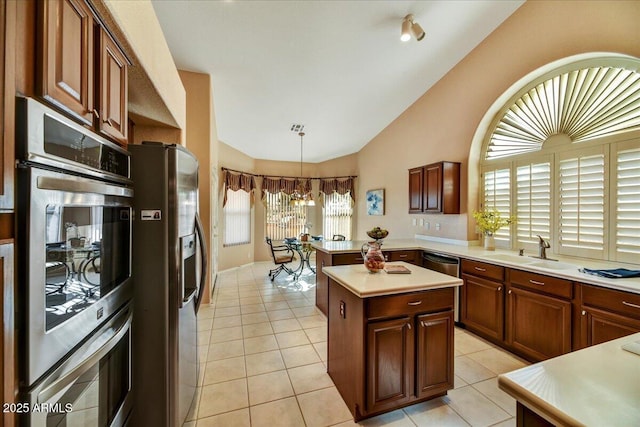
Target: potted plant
489	221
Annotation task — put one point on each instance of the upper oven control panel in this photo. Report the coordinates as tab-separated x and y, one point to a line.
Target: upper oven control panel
67	143
49	138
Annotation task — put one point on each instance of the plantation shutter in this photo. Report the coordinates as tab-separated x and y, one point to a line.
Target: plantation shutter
533	202
581	202
627	203
497	187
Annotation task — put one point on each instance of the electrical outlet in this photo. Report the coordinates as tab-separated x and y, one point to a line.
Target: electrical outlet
414	221
421	222
438	226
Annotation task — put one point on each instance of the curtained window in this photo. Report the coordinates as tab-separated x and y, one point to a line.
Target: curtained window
238	196
337	206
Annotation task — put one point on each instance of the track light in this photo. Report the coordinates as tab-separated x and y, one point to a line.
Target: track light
406	29
409	27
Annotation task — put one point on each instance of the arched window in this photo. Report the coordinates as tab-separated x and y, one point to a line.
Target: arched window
563	156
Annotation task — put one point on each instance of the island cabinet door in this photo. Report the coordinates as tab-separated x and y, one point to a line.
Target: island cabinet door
434	355
389	363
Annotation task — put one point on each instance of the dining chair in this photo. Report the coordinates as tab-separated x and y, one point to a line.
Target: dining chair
282	255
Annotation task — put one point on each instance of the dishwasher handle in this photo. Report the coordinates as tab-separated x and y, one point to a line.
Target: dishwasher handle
441	259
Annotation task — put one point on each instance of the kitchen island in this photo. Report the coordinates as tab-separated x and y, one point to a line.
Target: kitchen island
596	386
390	336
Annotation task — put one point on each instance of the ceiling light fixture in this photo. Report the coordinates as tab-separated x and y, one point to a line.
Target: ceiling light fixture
300	196
409	28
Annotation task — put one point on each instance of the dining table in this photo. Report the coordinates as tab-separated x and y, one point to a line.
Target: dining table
304	251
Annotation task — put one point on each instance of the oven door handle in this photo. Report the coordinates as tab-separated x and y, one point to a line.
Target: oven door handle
74	185
117	331
203	261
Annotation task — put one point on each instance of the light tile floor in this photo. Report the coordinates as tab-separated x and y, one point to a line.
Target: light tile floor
262	349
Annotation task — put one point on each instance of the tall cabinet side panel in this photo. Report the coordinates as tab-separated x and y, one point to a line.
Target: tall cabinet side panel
152	349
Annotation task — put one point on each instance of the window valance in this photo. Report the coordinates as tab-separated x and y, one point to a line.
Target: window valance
238	181
285	185
339	185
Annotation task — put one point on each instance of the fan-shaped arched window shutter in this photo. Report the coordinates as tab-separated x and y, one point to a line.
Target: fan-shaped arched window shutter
563	155
584	104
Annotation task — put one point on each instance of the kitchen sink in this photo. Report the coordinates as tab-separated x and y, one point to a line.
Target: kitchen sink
516	259
553	265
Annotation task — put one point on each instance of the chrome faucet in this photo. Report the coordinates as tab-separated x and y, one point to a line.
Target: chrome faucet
543	245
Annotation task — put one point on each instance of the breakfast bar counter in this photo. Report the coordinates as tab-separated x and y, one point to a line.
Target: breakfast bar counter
596	386
390	336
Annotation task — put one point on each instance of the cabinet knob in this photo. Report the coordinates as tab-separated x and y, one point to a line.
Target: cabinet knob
96	114
584	313
409	325
415	302
509	292
480	268
322	263
535	282
499	288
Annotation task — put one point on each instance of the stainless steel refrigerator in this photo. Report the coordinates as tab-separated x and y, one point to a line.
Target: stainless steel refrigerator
168	271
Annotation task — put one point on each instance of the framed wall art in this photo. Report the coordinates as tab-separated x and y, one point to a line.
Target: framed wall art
375	202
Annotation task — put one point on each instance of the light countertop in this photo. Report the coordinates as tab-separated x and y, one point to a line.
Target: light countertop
596	386
357	279
500	257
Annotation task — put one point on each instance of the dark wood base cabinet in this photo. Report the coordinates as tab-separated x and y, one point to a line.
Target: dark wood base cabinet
525	417
538	326
607	314
391	351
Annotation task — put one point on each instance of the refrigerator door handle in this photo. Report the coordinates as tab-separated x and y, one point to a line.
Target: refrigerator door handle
203	261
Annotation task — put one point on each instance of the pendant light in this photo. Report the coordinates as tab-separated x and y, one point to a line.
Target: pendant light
300	197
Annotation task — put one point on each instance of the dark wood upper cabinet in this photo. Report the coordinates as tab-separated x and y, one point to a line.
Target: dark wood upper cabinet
81	70
435	188
112	116
416	181
66	57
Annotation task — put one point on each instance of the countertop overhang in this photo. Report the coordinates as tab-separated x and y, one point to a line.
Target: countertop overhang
357	279
595	386
478	253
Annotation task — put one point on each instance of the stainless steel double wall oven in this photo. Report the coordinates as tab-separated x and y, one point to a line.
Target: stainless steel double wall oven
74	226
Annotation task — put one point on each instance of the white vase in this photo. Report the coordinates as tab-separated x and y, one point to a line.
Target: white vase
489	242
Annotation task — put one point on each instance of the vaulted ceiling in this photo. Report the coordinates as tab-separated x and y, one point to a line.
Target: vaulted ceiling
338	67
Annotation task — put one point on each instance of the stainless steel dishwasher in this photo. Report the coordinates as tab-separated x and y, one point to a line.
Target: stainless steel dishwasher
445	264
